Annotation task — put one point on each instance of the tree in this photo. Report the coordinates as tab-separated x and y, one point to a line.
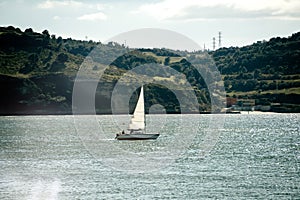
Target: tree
10	28
33	58
46	33
167	61
256	74
62	57
244	69
28	30
95	67
59	39
26	69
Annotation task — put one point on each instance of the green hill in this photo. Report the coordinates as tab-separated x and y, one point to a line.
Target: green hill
267	72
37	72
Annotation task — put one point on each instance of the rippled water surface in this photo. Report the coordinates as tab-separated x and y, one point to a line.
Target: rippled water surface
255	156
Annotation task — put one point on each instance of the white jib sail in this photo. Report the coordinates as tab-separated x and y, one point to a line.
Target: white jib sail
138	120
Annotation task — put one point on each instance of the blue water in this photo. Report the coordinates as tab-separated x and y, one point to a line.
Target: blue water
254	156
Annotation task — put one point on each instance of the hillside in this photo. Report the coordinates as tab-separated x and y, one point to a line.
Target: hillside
267	72
37	73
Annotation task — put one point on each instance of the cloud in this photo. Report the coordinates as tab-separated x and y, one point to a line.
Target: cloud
93	16
216	9
100	6
56	17
75	8
54	4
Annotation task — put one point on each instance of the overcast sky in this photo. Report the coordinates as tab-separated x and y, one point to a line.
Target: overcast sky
241	22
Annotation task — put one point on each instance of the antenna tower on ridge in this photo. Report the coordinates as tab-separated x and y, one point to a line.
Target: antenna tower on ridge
220	38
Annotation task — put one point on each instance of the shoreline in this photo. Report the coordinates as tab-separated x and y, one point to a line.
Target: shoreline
258	112
191	113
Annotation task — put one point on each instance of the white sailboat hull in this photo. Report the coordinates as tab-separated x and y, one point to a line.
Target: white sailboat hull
137	136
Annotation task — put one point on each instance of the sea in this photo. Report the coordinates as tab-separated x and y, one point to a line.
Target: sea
211	156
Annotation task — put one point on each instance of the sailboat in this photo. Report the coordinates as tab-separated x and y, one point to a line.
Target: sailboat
136	129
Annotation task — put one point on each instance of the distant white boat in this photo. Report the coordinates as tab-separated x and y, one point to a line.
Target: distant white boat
136	129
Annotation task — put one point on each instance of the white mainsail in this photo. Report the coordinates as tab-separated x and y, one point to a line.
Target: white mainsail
138	120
